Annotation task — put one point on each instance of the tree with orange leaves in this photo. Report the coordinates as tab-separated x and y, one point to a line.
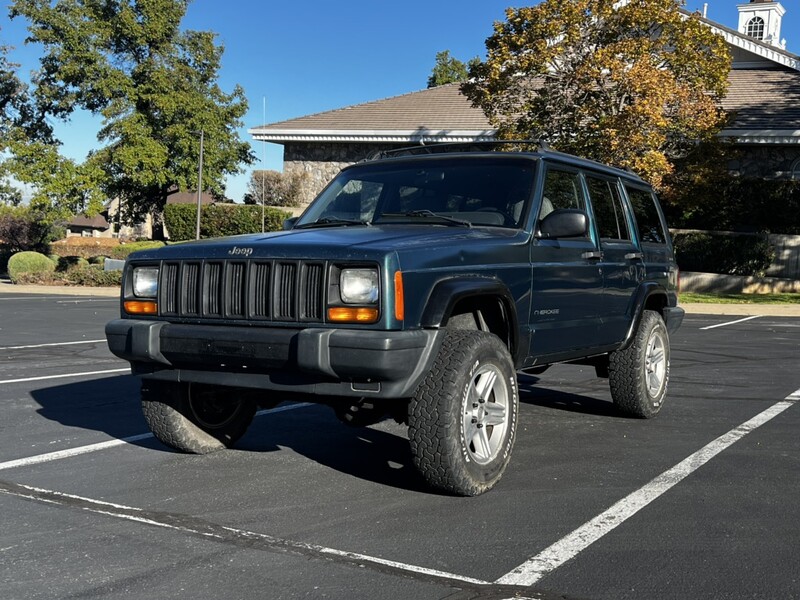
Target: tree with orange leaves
633	83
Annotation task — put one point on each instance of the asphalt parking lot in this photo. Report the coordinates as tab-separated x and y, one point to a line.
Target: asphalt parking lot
700	502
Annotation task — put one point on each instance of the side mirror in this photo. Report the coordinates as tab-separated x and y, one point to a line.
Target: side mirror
564	223
289	223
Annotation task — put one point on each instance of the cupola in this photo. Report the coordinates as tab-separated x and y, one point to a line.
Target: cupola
761	19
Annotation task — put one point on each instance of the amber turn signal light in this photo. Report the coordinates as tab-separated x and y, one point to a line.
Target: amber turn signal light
399	298
344	314
140	307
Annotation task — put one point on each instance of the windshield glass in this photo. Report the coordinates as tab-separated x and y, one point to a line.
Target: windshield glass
467	191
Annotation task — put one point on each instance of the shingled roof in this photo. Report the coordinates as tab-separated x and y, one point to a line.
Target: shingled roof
765	104
437	114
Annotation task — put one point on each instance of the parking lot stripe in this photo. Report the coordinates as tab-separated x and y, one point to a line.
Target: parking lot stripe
64	375
196	526
532	570
70	452
731	322
52	344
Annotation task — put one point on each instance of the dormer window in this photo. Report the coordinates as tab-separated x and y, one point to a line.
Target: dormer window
755	28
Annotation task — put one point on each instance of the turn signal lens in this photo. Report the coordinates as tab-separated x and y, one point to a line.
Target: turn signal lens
139	307
344	314
399	299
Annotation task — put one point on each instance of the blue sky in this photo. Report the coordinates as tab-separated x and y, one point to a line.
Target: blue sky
315	56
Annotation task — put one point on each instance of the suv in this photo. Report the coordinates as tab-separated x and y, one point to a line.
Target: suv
414	286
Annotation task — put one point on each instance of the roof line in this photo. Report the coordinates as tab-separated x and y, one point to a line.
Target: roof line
372	135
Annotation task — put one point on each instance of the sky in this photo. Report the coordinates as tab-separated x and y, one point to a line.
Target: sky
299	59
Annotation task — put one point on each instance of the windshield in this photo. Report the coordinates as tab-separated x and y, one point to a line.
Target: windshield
479	191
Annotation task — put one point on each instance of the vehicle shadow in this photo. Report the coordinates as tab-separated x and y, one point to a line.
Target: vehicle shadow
379	454
530	393
108	404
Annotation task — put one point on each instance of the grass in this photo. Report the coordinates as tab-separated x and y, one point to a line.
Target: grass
689	298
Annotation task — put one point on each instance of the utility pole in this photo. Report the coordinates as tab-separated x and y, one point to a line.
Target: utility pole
199	186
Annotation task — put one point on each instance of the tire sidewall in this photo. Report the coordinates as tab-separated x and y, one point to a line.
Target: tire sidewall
491	471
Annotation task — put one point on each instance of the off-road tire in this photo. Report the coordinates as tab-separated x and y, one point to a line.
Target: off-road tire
461	436
195	418
638	375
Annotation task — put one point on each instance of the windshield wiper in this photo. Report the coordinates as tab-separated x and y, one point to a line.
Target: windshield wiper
332	221
425	213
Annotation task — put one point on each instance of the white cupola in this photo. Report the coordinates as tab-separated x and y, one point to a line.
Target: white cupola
761	19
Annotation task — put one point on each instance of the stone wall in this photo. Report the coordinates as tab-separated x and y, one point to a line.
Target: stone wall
322	161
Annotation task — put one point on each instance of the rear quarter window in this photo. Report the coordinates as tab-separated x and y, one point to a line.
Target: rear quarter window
649	224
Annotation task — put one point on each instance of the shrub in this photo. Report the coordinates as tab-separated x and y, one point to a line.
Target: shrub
122	251
84	246
217	220
28	262
22	228
92	275
704	252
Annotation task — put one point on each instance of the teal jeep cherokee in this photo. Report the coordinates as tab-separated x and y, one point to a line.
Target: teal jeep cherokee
415	286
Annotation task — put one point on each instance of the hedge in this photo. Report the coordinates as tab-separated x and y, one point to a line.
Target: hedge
122	251
24	263
726	254
217	220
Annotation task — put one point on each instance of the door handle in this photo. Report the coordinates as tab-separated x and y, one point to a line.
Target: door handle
592	255
634	256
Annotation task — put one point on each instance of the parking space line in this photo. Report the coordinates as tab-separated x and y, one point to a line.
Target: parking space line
70	452
568	547
52	344
199	527
731	322
65	375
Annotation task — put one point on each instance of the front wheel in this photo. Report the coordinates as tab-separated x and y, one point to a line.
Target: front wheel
638	375
196	418
463	418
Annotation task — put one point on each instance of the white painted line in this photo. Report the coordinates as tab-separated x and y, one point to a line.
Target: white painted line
64	375
549	559
51	456
58	455
216	532
83	301
730	322
53	344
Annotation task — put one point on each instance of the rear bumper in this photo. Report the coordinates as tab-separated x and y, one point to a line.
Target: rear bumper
340	362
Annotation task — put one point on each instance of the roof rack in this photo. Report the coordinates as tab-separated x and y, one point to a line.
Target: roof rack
537	146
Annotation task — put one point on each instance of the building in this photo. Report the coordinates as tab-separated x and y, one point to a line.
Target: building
763	97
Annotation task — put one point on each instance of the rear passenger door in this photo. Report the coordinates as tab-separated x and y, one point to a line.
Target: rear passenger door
621	260
566	278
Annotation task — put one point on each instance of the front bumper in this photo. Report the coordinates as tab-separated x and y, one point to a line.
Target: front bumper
334	362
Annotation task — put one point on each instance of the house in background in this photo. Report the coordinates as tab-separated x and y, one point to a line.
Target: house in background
763	99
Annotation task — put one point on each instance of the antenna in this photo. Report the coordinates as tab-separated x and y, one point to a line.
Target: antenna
264	166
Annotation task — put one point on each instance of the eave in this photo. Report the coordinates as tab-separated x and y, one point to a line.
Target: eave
389	136
774	137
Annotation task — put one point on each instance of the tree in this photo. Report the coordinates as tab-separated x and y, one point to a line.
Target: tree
632	83
272	188
449	69
155	87
18	121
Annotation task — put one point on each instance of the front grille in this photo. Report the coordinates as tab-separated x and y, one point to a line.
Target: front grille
275	290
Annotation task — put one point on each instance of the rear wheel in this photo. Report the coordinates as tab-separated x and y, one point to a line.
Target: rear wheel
196	418
463	419
638	375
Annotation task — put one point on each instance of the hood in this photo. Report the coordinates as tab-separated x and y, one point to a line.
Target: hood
335	242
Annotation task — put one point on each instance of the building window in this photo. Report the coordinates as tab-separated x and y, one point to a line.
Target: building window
755	28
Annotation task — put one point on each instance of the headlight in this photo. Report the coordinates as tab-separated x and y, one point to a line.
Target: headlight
145	282
359	286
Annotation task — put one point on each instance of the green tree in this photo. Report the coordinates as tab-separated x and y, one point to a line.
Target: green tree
449	69
155	87
634	84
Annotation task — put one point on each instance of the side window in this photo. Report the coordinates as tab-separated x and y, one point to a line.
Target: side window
608	211
648	221
562	189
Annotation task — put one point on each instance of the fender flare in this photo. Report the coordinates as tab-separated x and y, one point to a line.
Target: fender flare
644	292
448	292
